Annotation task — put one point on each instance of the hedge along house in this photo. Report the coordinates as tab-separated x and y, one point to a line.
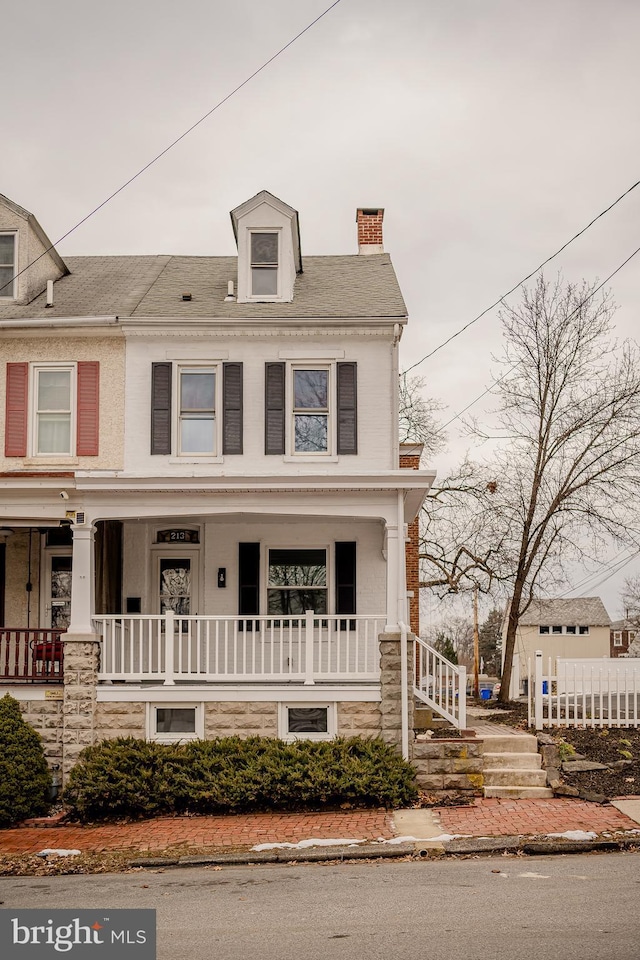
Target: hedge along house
203	515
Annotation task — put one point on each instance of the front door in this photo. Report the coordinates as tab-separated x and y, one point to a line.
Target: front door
57	599
177	583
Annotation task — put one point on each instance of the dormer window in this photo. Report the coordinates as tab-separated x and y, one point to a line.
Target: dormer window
264	264
7	264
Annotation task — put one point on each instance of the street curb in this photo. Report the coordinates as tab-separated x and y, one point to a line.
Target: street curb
534	846
362	852
417	850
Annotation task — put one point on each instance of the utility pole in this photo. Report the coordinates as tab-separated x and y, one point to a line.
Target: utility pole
476	645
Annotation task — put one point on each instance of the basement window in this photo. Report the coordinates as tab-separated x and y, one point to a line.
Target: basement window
175	722
304	721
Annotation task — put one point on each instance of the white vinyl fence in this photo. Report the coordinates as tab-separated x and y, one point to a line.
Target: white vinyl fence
584	693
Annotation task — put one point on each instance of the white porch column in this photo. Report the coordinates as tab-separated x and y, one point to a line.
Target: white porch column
395	537
82	580
393	534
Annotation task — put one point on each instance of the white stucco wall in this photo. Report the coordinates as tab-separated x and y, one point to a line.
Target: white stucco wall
376	383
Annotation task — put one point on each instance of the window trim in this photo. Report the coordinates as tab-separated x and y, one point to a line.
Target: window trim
179	367
283	717
13	295
264	297
151	721
617	638
34	371
329	575
293	411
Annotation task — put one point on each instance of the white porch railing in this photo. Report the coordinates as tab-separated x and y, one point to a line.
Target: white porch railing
441	684
306	649
584	693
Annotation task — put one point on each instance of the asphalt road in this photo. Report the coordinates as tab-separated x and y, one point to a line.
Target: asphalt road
585	907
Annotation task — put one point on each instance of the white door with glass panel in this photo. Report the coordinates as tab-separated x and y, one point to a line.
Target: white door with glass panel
177	583
57	595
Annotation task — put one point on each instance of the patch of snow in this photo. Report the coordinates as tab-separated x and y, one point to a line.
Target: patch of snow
50	852
575	835
535	876
305	844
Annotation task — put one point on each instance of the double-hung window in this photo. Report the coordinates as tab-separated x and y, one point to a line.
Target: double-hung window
297	581
311	410
264	264
197	411
54	402
7	264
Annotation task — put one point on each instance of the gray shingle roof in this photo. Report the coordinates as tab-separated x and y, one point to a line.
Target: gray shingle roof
331	286
585	611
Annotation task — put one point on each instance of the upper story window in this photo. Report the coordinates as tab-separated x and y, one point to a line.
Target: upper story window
311	410
52	409
54	402
617	638
7	264
197	411
264	264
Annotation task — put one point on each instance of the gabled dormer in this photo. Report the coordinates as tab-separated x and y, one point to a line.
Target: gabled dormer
268	237
27	257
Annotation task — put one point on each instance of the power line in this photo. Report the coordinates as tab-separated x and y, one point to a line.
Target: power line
190	129
520	282
511	369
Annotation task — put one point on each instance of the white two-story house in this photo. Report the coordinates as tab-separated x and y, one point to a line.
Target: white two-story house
203	515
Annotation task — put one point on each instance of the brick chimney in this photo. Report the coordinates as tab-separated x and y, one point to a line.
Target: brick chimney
369	220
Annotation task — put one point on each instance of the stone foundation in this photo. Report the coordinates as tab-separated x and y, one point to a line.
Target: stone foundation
45	716
449	765
359	719
120	719
391	688
240	718
80	692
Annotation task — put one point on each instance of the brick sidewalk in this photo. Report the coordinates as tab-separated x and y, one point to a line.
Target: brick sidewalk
501	818
198	832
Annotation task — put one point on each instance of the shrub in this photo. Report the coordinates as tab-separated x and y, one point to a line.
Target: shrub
133	778
24	775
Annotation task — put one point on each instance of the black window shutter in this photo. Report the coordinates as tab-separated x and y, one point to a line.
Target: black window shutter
274	408
160	408
345	568
249	578
347	408
232	408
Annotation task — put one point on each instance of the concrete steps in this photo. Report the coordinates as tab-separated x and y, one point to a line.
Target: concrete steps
512	767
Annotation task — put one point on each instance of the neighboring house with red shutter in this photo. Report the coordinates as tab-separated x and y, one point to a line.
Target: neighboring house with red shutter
203	515
622	634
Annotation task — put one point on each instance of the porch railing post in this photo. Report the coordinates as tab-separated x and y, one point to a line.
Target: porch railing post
169	637
308	648
538	712
462	697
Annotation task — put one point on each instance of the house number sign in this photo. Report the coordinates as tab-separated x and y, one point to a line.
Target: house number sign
178	536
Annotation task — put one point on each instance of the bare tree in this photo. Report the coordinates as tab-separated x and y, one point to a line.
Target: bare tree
416	415
631	599
568	467
460	536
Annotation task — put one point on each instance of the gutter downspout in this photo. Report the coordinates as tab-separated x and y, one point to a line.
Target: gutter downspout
404	693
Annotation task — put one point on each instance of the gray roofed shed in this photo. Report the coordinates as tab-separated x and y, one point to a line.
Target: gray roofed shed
585	611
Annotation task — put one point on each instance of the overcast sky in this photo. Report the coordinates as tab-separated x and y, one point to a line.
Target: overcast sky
490	130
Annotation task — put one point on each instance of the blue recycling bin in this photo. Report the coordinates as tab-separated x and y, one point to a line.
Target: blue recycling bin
545	687
485	694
